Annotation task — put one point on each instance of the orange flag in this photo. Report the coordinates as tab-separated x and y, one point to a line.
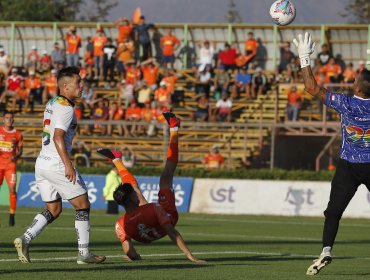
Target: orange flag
136	16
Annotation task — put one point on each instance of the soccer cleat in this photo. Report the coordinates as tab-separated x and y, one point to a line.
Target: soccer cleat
90	259
22	249
111	154
171	119
11	220
319	264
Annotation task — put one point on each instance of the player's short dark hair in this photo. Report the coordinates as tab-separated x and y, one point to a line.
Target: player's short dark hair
6	112
365	82
68	72
122	193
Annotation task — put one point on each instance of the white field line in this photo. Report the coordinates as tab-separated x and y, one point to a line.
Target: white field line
270	254
205	234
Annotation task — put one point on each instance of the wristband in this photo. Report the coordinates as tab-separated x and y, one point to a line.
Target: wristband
305	61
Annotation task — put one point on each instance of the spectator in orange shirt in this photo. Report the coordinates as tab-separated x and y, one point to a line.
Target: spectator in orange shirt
251	46
332	71
170	78
73	43
99	114
33	58
115	114
22	94
294	104
162	94
349	74
148	115
33	83
214	160
99	41
50	87
124	29
132	73
125	53
150	72
169	43
133	114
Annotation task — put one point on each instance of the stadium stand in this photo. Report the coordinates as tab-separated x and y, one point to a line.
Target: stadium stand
254	122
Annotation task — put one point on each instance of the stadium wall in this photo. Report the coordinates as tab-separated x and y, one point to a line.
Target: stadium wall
217	196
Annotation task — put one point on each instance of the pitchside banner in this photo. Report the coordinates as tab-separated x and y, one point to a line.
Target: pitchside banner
257	197
29	195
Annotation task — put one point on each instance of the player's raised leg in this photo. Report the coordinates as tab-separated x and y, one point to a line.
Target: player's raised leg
166	178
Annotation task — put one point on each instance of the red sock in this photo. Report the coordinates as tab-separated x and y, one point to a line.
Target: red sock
12	202
173	148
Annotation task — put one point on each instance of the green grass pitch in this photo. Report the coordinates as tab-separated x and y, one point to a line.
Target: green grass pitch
236	247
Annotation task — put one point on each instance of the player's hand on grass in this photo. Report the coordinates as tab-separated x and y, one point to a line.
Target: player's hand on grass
70	173
195	259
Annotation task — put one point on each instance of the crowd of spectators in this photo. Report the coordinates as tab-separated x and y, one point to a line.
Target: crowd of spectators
141	65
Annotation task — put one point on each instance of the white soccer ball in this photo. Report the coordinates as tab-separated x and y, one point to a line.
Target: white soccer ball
282	12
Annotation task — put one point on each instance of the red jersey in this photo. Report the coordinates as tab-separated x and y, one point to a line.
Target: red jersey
132	75
124	33
228	57
168	44
251	46
214	161
145	224
73	43
10	141
99	42
150	74
14	82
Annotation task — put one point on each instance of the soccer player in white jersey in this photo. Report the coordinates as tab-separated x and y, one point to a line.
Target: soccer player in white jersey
56	177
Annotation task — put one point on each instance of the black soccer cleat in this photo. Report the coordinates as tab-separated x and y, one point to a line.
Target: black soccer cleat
11	220
171	119
111	154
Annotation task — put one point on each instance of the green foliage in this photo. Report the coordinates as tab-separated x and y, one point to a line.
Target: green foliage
262	174
55	10
358	11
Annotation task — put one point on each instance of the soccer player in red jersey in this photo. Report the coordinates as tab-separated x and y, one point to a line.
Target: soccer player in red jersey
11	143
146	222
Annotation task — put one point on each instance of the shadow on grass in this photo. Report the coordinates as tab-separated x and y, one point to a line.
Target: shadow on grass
102	267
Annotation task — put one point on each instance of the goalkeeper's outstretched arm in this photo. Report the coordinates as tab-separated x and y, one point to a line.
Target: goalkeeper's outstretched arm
305	48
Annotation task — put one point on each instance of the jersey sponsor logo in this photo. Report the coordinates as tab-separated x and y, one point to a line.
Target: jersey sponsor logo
148	233
356	134
46	133
6	146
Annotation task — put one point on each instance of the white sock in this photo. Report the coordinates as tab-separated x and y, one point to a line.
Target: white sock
326	250
82	225
38	224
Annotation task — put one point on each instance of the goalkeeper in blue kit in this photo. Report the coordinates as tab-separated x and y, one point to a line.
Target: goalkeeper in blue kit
353	168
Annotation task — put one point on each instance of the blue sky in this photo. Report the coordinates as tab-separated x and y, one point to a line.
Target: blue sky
214	11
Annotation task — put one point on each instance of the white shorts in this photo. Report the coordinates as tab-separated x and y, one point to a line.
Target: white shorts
54	185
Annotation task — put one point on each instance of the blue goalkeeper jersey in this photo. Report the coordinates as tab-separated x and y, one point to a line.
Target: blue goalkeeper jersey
355	119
